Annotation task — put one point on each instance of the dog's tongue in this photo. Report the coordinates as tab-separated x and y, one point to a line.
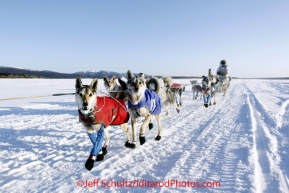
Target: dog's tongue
85	113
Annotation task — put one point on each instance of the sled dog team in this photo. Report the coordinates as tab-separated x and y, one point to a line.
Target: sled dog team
145	98
212	84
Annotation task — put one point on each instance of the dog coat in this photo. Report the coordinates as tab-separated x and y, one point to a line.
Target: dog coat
108	111
176	87
151	101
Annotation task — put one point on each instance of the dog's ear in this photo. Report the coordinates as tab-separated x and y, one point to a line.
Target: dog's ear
210	73
105	79
78	83
147	80
113	78
129	75
142	75
203	77
93	84
122	84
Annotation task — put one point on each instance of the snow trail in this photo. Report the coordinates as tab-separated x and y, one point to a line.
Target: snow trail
241	142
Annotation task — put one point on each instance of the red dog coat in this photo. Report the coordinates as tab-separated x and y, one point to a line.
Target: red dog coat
176	87
108	111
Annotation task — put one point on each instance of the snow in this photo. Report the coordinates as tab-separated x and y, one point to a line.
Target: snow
241	142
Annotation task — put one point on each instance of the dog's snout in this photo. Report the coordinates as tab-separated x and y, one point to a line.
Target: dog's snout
85	103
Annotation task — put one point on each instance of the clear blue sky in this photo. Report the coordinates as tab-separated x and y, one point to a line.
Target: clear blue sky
158	37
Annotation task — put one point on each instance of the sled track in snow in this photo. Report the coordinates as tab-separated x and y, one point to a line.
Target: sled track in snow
265	148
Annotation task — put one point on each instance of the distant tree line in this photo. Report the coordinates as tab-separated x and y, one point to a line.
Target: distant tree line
7	75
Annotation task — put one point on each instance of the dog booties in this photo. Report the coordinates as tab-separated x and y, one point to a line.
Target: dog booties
151	101
108	111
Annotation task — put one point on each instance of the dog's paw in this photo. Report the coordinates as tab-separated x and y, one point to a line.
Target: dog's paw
214	103
142	139
206	105
158	138
181	103
129	145
178	110
89	163
104	151
99	157
151	125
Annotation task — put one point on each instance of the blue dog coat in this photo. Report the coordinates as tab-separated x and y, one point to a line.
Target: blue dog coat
151	101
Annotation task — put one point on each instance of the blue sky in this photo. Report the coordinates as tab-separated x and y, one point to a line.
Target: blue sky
157	37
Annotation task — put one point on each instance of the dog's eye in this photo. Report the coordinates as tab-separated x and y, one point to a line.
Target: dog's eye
80	94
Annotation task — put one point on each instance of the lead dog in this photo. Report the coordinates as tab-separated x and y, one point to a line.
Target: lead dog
96	114
142	102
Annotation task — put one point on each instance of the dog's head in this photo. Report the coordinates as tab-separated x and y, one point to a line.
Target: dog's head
206	84
136	84
136	87
109	83
153	84
85	95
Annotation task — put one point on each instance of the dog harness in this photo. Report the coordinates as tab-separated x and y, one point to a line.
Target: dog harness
108	111
151	101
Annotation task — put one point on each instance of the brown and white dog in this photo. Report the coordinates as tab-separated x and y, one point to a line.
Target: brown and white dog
114	90
142	102
96	114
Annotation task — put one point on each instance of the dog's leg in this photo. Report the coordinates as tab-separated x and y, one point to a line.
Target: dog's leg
96	139
106	142
126	130
193	94
101	133
107	136
214	95
142	129
180	93
176	105
151	125
226	89
206	98
133	128
158	118
166	106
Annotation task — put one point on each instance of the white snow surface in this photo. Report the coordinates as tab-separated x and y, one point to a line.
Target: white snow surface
241	143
